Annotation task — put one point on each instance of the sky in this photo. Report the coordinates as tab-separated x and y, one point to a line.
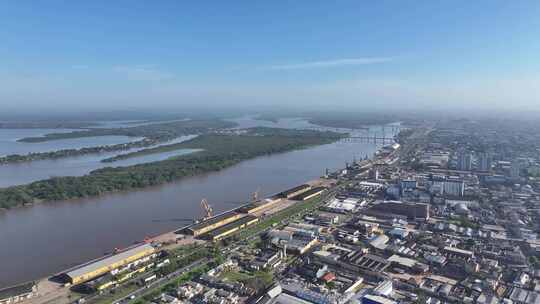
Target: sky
459	54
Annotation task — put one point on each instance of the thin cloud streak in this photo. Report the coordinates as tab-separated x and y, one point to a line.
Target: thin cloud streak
331	63
146	72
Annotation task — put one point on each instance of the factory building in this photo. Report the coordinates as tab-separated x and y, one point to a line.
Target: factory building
230	228
107	264
295	191
314	192
213	223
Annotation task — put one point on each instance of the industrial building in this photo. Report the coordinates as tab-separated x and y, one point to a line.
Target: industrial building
408	264
375	299
309	194
367	262
109	280
412	211
225	230
107	264
259	206
295	191
458	253
213	223
344	206
19	293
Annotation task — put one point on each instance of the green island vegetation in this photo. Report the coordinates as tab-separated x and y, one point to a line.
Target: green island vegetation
260	131
46	124
152	134
166	130
18	158
218	152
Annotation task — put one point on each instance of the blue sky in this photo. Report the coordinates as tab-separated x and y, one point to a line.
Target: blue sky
321	53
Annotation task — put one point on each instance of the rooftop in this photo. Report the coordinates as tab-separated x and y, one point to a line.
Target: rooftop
295	189
309	193
213	220
229	226
106	261
13	291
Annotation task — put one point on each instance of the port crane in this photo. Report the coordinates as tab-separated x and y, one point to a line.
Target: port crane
209	212
255	195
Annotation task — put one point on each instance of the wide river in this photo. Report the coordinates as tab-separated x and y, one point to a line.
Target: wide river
10	145
27	172
49	237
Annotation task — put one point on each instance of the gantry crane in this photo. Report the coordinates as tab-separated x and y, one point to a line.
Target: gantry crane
207	209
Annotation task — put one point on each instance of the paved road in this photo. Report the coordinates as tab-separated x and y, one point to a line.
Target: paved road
162	281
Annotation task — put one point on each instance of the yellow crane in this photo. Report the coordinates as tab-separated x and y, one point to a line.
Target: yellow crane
207	209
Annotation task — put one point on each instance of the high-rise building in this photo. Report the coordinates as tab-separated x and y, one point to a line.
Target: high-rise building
454	187
447	185
515	169
408	185
464	162
485	161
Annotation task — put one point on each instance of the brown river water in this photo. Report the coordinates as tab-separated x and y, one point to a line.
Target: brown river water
47	238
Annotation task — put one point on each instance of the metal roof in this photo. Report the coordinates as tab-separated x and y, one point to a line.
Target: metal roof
295	189
308	193
92	266
225	228
213	220
18	290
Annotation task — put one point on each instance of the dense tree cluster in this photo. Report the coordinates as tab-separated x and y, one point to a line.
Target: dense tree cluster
157	130
18	158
